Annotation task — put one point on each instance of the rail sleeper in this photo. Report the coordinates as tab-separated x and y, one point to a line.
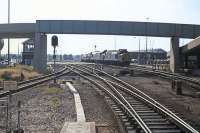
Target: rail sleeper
155	121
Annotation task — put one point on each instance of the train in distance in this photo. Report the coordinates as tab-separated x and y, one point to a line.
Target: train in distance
111	57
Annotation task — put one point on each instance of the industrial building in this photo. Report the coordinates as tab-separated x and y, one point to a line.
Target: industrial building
190	56
140	56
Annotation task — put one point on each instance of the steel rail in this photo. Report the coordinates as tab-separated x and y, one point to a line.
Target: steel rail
185	126
176	75
170	73
41	77
32	84
158	108
163	74
133	113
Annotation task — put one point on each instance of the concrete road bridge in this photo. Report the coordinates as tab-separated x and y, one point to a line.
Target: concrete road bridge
39	30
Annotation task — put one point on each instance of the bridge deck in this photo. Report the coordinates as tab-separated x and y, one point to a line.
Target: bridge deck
16	30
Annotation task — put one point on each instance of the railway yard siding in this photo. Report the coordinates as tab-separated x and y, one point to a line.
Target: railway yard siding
186	105
106	101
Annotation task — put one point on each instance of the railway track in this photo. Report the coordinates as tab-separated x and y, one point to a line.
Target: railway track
175	75
163	74
34	82
136	111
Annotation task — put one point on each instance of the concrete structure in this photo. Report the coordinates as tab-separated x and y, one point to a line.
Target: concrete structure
152	54
40	52
190	54
194	45
79	108
42	27
174	54
81	126
28	51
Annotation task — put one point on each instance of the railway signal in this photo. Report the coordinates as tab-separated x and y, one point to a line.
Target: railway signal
54	43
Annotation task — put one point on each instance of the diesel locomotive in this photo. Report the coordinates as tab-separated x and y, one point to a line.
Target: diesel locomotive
111	57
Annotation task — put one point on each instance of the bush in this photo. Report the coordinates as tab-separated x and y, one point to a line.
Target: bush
16	78
6	76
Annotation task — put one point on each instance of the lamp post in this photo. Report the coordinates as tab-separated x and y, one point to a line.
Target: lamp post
146	41
115	43
95	48
139	51
8	38
134	38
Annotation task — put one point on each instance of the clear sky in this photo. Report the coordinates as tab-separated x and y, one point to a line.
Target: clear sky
174	11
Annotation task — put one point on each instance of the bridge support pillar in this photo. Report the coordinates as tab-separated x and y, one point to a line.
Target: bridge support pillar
174	54
40	52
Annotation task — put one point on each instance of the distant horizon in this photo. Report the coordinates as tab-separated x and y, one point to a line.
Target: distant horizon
91	51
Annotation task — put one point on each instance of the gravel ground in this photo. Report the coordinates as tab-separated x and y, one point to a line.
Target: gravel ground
160	89
44	109
95	108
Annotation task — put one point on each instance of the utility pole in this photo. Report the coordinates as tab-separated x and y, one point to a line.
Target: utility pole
95	48
146	42
139	52
115	44
18	58
8	38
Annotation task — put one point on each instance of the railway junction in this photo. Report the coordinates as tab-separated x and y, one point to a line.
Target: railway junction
100	98
91	98
97	95
105	90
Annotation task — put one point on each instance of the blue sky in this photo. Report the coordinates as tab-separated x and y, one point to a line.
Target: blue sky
174	11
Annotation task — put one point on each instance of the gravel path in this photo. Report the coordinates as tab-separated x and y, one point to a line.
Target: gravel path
44	109
95	108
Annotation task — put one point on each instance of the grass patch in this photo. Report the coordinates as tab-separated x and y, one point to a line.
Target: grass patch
55	102
52	90
15	73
